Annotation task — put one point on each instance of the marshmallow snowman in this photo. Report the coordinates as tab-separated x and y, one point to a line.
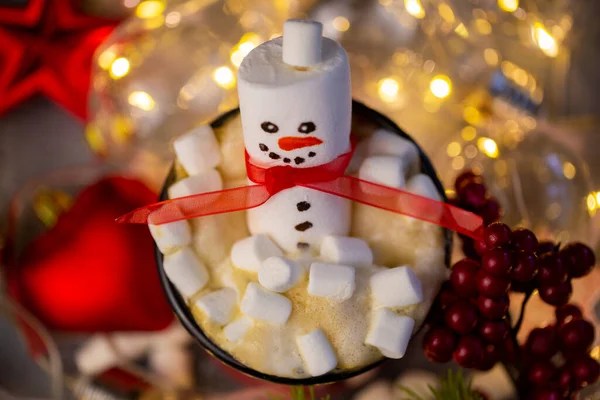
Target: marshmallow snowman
296	110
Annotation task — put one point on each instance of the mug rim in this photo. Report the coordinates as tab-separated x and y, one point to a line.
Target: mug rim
185	316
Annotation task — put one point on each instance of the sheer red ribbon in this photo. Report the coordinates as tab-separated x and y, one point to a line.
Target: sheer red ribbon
328	178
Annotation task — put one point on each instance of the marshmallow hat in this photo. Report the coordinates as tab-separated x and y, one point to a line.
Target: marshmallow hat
295	98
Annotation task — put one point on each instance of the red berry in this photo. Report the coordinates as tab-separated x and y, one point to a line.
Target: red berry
469	351
463	177
567	313
545	247
551	269
542	343
556	295
461	317
585	371
491	355
497	262
447	295
492	308
579	259
464	278
540	372
576	337
490	211
494	331
439	344
472	192
508	350
480	247
546	394
524	239
468	248
525	267
491	286
497	235
566	381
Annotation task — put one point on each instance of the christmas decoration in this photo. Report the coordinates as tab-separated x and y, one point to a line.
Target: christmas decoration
471	324
47	49
79	276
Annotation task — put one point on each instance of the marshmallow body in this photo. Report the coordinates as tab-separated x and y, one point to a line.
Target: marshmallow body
299	218
384	170
218	306
422	185
169	237
198	150
235	330
390	333
102	352
262	304
317	353
396	287
249	253
335	282
346	250
185	271
208	181
384	143
279	274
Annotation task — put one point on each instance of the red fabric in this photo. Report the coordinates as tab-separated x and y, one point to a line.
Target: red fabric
328	178
51	57
89	274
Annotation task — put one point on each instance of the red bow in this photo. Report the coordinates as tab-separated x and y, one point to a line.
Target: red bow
328	178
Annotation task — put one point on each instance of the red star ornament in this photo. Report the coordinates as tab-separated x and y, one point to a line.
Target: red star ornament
52	59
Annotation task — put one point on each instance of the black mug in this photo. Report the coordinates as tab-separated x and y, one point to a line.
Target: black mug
184	314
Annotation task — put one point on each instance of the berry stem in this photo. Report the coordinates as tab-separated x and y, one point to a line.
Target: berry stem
517	327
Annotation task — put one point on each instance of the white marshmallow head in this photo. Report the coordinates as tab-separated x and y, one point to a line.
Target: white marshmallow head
295	98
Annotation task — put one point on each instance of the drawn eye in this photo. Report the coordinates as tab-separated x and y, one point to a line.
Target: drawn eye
269	127
307	127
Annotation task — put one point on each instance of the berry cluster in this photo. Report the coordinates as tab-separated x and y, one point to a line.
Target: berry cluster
556	360
469	320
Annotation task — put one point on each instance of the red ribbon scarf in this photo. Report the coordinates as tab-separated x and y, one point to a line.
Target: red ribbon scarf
328	178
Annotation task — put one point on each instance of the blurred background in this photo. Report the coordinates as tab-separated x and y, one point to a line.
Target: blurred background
93	91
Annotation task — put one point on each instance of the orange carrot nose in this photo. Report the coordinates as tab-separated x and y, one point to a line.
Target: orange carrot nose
288	143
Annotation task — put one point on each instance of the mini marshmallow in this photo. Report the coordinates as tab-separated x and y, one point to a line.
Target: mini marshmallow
302	42
396	287
335	282
208	181
264	305
185	271
101	352
422	185
346	250
218	306
384	170
384	143
317	353
198	150
279	274
235	330
249	253
171	236
390	333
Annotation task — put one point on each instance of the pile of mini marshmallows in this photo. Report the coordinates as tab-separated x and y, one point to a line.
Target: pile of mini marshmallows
331	278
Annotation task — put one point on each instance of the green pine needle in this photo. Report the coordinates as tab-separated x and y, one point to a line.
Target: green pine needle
452	387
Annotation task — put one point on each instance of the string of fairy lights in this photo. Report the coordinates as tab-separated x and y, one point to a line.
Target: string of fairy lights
407	79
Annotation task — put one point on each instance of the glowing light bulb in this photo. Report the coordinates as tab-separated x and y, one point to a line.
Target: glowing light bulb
141	100
388	89
569	170
491	57
106	58
488	147
544	40
592	204
341	24
150	9
468	133
414	8
461	30
172	19
441	86
483	26
453	149
248	42
446	13
472	116
224	77
119	68
508	5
